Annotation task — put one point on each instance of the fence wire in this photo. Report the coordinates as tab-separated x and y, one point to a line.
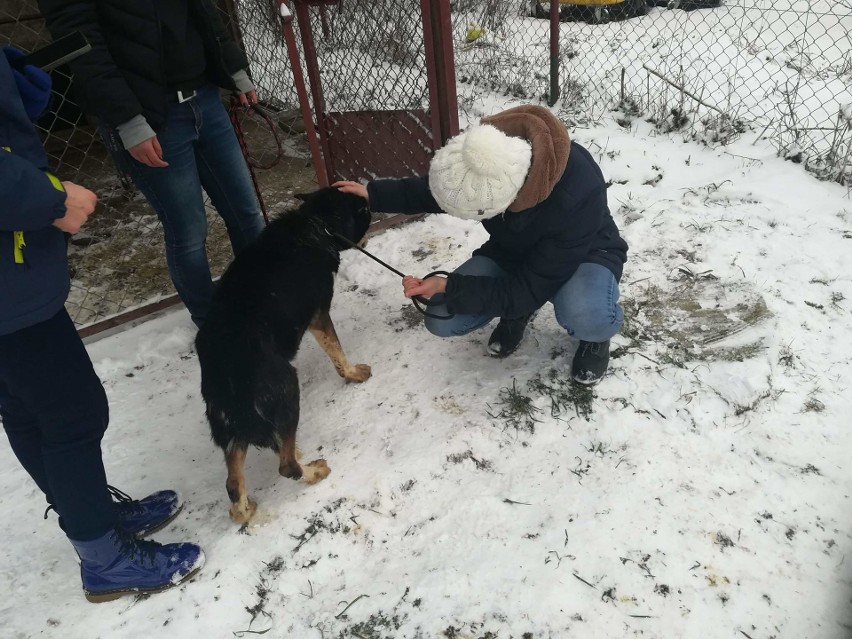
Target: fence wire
117	261
375	110
714	69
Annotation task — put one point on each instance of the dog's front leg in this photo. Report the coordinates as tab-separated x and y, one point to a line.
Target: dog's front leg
322	329
242	508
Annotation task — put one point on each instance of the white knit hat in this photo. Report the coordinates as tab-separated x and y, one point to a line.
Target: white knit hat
478	173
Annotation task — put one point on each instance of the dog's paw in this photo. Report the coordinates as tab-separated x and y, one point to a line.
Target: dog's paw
358	373
315	471
241	513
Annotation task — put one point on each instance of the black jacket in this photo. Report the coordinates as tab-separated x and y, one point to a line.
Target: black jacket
540	248
125	75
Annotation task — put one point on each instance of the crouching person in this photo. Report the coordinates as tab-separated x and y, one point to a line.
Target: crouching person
542	199
52	405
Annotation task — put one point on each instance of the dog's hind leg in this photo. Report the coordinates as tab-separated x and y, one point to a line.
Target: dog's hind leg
289	465
287	418
242	508
322	329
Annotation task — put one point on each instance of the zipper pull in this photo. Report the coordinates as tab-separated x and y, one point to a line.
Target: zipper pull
18	237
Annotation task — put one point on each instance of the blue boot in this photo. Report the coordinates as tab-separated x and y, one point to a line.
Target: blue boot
141	517
117	564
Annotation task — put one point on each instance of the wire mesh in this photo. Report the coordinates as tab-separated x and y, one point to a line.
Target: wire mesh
117	261
714	69
375	107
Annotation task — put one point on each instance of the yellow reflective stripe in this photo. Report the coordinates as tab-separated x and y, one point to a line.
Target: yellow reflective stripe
18	236
55	181
19	246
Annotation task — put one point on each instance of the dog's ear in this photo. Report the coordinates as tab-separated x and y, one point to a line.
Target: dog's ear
303	197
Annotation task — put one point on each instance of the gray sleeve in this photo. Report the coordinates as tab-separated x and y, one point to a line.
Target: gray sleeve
243	82
134	131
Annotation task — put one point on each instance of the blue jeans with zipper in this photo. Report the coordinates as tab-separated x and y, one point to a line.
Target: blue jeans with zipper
586	305
202	151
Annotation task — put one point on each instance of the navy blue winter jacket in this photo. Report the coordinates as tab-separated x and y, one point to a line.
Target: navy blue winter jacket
34	278
540	248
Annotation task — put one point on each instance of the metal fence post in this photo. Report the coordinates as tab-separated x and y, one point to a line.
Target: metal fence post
442	36
324	177
433	75
554	53
301	91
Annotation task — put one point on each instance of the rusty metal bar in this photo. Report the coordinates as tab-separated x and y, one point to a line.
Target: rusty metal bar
303	15
442	29
301	90
128	316
433	79
554	52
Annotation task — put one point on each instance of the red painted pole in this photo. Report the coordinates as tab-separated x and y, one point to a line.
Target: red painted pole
554	52
433	77
445	60
301	91
316	87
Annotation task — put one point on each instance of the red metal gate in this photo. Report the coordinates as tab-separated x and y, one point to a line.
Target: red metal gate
382	84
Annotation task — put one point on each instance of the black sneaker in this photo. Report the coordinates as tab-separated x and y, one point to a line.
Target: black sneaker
590	362
507	336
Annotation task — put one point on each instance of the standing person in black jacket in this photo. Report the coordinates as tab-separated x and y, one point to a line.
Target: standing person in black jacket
542	199
152	81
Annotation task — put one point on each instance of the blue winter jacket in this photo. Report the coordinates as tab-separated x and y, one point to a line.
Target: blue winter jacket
34	280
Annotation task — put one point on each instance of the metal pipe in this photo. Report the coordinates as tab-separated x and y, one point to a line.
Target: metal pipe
554	52
316	91
301	91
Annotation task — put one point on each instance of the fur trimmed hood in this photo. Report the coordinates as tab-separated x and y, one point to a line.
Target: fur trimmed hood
551	146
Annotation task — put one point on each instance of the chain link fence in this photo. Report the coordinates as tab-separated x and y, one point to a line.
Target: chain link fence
368	68
117	261
715	69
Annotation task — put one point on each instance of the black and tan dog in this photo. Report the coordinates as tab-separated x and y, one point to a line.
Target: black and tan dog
275	290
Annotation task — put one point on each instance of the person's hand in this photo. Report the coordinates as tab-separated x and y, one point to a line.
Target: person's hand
149	153
79	204
412	286
355	188
249	97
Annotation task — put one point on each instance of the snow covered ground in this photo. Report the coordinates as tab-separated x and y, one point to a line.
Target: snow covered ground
702	490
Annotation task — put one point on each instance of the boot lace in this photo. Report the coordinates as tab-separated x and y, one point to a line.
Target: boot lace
119	495
137	550
126	503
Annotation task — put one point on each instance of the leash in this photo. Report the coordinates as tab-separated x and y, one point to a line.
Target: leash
417	299
236	122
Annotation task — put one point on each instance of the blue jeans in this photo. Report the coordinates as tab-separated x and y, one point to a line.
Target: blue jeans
55	412
586	306
201	148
